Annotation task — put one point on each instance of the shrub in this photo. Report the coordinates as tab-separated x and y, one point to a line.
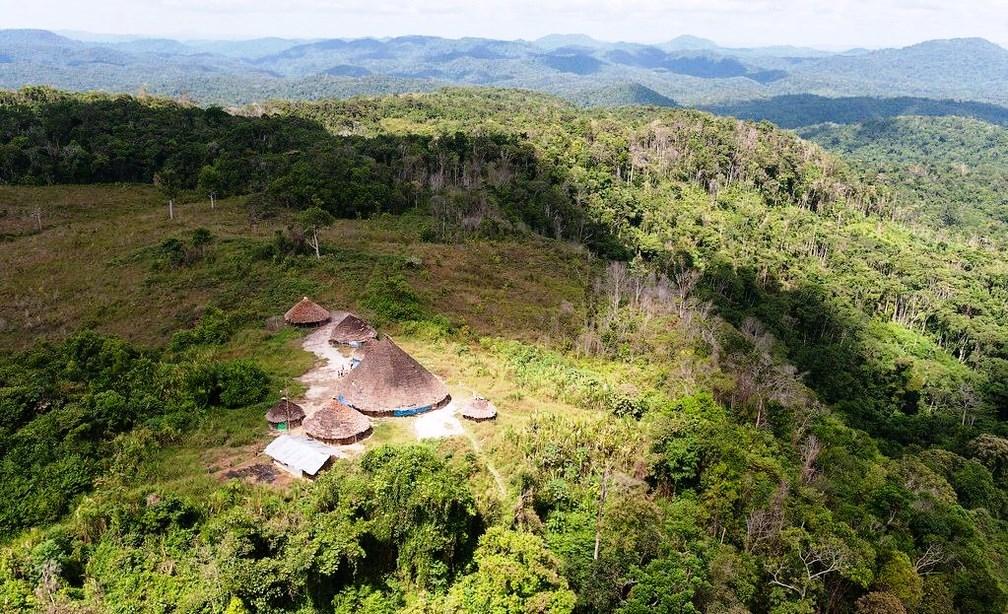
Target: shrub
215	327
392	299
242	383
234	384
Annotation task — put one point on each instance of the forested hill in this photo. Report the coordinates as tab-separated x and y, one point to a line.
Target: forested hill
687	70
795	399
799	110
952	172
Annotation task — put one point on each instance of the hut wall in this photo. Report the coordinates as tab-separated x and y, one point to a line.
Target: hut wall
345	441
400	412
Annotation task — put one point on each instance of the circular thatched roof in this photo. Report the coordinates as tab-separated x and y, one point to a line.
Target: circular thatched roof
479	409
284	411
307	312
352	329
390	381
334	421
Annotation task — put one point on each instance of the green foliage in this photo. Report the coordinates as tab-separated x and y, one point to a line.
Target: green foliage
667	584
391	298
213	328
68	402
880	603
898	577
514	574
949	172
879	451
557	377
230	384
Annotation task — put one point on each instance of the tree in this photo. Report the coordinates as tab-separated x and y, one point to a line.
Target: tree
201	237
992	451
515	574
312	220
880	603
898	577
667	584
168	183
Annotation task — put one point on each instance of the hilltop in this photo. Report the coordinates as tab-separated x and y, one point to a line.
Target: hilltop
721	362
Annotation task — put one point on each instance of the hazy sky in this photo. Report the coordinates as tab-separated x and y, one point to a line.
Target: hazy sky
819	23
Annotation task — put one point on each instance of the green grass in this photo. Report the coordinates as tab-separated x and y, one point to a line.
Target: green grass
96	264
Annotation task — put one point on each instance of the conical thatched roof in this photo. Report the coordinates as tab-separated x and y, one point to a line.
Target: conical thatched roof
352	329
334	422
307	312
479	409
284	411
390	381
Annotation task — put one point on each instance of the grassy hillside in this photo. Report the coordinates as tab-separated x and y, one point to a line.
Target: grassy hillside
727	378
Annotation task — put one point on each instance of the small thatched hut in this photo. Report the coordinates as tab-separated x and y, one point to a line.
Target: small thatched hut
307	313
479	409
285	415
390	382
352	331
335	423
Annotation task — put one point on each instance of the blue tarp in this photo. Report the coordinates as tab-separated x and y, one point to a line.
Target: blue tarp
400	412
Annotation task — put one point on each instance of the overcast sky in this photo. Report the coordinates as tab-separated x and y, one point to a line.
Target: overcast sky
818	23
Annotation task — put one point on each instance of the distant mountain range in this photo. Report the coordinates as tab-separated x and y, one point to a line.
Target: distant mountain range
686	70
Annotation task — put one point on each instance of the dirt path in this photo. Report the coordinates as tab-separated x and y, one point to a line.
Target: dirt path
321	380
438	423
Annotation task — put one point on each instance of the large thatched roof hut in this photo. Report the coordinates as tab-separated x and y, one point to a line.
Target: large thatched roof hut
285	415
479	409
352	331
307	313
390	382
335	423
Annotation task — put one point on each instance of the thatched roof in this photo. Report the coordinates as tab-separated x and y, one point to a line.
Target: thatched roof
352	329
390	381
284	411
307	312
335	422
479	409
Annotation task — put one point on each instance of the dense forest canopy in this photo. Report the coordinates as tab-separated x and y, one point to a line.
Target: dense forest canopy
952	172
796	396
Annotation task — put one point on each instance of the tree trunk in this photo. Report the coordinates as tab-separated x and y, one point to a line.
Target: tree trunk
212	203
598	516
318	256
171	209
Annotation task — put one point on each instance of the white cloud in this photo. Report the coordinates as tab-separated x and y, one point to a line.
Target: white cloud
823	23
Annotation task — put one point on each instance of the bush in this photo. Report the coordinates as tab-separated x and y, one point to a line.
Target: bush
392	299
234	384
242	383
215	327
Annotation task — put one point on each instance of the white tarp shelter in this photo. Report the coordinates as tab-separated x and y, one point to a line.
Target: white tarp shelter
298	455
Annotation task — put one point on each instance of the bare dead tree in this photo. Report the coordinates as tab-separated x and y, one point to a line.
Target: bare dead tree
932	557
763	525
817	561
810	450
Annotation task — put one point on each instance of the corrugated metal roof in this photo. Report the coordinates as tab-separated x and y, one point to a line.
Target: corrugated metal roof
301	453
